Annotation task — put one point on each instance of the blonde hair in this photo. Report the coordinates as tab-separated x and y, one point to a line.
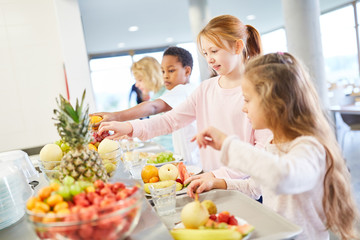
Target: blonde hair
149	70
288	95
230	29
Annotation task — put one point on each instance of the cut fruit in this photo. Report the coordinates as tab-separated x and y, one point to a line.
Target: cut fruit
183	173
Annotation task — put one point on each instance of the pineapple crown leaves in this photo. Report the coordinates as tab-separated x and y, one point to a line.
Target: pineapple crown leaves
73	124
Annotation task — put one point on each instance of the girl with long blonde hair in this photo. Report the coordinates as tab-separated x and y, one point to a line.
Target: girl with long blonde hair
303	174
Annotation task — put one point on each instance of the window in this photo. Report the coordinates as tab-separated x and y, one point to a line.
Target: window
339	45
274	41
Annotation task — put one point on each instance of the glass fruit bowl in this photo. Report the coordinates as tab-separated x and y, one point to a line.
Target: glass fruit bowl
51	169
110	221
111	161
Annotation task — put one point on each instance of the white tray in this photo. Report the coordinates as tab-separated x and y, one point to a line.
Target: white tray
268	224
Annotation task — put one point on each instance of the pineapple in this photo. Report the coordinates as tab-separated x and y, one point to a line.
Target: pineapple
73	127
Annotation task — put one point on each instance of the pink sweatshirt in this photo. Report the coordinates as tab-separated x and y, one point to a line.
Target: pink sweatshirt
210	105
291	179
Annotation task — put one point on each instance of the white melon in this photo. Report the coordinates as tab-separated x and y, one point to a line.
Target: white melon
107	149
51	152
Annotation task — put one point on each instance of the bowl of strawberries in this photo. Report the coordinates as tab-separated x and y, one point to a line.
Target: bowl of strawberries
82	210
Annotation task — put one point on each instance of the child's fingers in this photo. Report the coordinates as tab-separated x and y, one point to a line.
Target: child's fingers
192	178
191	189
193	138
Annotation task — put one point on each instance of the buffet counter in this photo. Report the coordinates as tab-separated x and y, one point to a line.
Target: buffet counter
149	227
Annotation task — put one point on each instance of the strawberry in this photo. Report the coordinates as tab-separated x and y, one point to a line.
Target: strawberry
116	187
213	217
232	220
99	184
223	217
180	181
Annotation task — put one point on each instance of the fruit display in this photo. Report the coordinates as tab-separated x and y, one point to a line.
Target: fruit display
96	139
110	153
194	214
50	159
73	127
51	153
83	210
95	119
162	184
152	158
168	172
161	177
200	224
63	145
161	158
210	206
183	172
150	174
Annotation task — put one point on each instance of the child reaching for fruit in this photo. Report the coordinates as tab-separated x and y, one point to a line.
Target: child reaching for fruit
227	44
176	67
302	174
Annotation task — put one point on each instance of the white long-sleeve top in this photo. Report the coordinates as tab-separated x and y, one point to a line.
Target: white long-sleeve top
291	177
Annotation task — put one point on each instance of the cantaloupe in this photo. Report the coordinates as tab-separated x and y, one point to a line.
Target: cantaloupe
51	152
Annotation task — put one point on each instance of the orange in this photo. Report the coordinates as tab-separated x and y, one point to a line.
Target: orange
92	147
153	179
148	172
95	119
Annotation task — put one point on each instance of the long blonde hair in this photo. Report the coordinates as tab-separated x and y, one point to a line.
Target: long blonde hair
149	70
288	95
230	29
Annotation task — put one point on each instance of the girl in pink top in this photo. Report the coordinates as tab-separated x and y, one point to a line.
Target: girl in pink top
302	173
226	44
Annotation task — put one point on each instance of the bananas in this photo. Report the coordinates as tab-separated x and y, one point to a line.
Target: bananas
162	184
205	234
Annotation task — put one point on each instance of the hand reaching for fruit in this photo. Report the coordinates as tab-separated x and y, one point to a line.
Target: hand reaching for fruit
203	182
120	129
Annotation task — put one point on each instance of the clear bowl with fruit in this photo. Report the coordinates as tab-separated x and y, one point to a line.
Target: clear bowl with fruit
101	211
51	169
110	152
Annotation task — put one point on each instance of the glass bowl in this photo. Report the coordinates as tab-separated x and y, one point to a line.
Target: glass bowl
115	221
51	169
111	161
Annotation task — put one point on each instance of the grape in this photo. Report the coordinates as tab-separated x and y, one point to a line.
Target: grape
64	191
65	147
55	181
58	142
75	189
83	184
68	180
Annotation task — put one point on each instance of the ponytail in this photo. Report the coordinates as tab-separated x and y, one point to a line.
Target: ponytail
229	28
253	43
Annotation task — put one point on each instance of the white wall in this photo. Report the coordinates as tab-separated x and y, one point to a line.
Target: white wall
31	68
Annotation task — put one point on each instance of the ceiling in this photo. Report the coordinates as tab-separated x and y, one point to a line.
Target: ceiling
106	22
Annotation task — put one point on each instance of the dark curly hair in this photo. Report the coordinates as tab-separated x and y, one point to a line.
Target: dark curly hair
182	54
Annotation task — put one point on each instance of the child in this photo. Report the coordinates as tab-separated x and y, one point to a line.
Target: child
176	67
226	44
147	74
303	174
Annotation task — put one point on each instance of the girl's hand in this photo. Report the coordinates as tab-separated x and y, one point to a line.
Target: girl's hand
120	129
106	117
202	183
211	136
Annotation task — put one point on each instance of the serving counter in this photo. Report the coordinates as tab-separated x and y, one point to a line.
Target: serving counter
267	223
